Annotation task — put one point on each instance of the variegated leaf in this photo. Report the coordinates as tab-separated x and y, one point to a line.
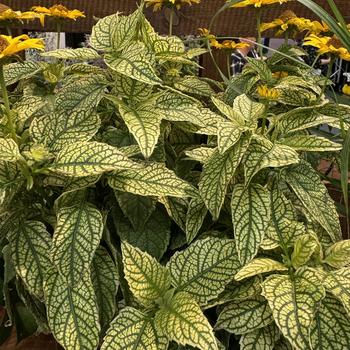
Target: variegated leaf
77	235
262	153
204	268
176	209
144	123
82	94
81	159
133	90
260	339
79	54
248	109
182	321
228	135
57	130
152	180
245	316
304	247
195	216
294	303
310	143
152	238
147	279
258	266
259	66
135	61
114	32
233	115
131	330
250	208
200	154
338	255
331	327
14	72
217	174
193	85
104	276
136	208
72	311
9	151
30	244
314	195
10	176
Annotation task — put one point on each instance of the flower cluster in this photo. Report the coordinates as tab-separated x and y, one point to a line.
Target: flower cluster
224	45
158	4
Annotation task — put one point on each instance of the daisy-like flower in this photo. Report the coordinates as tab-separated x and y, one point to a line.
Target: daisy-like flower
280	75
9	15
205	33
158	4
346	89
57	11
259	3
227	45
10	46
328	46
268	93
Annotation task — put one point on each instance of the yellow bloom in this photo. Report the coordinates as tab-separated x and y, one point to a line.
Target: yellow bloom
205	33
258	3
158	4
346	89
57	11
227	45
10	46
7	14
268	93
280	75
328	45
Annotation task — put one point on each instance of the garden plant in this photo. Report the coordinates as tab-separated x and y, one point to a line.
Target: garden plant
143	207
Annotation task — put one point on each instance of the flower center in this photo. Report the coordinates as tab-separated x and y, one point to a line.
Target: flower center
335	42
3	8
3	43
287	15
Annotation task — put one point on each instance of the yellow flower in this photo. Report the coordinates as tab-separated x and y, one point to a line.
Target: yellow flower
328	45
258	3
227	45
346	89
268	93
7	14
57	11
205	33
10	46
158	4
280	75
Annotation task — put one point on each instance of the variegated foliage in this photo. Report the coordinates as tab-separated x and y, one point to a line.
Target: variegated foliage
133	199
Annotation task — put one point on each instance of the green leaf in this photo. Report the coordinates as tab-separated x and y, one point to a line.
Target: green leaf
176	209
10	176
338	255
84	93
193	85
258	266
30	244
133	90
250	110
204	268
136	62
200	154
143	122
217	174
233	115
182	321
262	153
306	184
304	247
14	72
57	130
228	135
132	330
72	311
77	235
81	159
196	213
136	208
294	303
114	32
338	283
152	180
9	150
261	68
104	276
148	280
79	54
152	238
250	208
262	338
310	143
244	316
331	327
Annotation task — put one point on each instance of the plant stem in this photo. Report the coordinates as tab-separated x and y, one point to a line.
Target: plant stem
329	73
10	124
258	24
228	62
286	37
171	21
58	34
9	31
